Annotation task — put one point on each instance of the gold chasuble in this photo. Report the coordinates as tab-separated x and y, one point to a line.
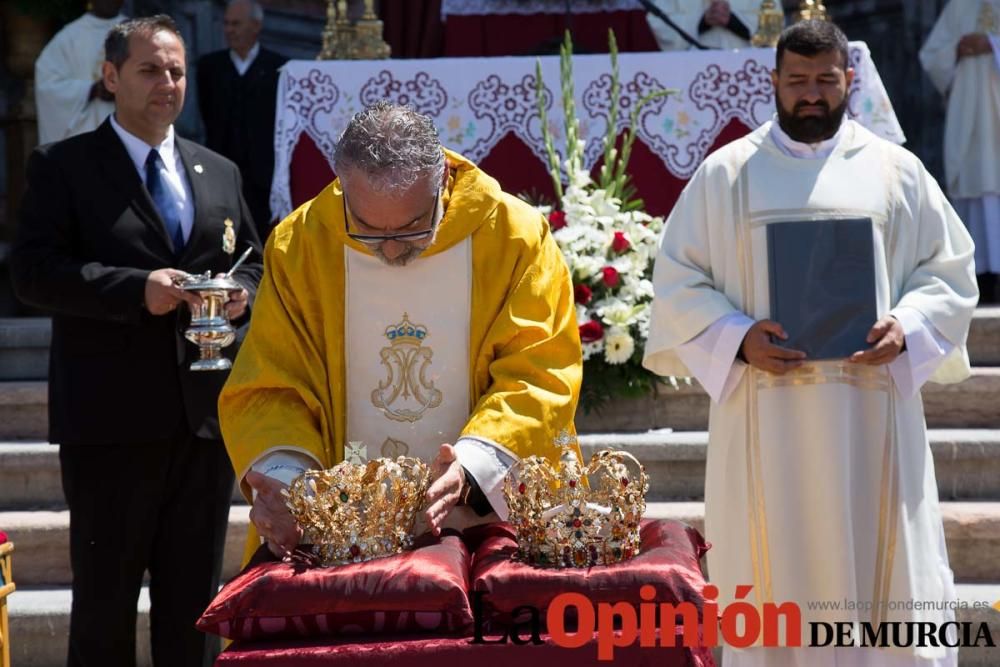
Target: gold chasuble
486	311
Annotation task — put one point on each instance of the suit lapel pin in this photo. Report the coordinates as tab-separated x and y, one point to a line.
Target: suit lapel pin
228	236
198	169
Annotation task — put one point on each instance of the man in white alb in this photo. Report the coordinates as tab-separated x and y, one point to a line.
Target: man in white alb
962	58
69	90
820	484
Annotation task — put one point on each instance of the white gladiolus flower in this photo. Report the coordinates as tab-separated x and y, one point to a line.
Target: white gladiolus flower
586	267
618	346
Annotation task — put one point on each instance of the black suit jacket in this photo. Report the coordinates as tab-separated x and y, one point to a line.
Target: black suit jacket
88	236
238	112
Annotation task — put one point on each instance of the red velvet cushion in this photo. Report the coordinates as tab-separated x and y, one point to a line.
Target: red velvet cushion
424	590
668	560
449	652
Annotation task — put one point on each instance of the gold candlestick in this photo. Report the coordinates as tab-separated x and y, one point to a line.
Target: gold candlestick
343	40
812	9
329	49
368	42
770	23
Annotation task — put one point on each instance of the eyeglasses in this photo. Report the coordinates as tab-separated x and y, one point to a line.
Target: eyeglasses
375	239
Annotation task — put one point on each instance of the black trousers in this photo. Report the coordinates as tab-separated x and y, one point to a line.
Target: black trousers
161	507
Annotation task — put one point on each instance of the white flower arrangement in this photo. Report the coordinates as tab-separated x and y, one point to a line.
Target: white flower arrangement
609	245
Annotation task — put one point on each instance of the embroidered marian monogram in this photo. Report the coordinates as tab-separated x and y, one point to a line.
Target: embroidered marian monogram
406	393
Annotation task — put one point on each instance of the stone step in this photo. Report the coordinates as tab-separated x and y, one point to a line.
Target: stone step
24	348
972	530
984	336
39	625
30	477
972	533
967	464
974	403
23	410
969	404
24	344
42	542
967	461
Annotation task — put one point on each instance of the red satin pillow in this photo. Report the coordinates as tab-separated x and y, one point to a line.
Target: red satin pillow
668	560
424	590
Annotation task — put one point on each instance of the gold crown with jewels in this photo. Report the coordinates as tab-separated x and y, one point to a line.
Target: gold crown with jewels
576	516
355	512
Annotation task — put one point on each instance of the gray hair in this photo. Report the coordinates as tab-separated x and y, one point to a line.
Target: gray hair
116	44
256	9
393	145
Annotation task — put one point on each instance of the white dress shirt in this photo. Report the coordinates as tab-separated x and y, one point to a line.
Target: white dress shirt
711	355
171	170
243	64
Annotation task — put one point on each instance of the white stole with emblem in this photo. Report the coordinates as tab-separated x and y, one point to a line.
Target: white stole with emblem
407	354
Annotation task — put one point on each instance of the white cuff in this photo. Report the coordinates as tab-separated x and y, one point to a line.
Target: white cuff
926	349
488	464
284	465
711	355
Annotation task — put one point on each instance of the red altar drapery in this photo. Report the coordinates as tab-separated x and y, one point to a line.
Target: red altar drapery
520	171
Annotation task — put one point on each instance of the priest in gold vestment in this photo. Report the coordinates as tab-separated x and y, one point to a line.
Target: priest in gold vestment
820	487
411	308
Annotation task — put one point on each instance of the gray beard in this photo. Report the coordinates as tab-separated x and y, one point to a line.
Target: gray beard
400	260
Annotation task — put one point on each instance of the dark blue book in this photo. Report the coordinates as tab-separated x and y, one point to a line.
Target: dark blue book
822	283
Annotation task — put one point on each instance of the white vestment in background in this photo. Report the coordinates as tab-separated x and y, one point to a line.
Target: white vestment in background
972	123
687	14
820	484
64	74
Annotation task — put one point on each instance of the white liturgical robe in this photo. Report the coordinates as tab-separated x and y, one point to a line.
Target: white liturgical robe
972	122
820	484
64	74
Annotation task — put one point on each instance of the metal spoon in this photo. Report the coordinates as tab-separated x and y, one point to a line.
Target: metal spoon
243	257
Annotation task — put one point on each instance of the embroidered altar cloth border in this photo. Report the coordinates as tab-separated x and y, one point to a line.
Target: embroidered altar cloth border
476	102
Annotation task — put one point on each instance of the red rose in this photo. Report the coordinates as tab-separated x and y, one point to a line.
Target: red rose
611	278
582	294
591	331
557	220
620	244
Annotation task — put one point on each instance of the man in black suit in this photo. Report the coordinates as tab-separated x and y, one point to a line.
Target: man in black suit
109	220
237	92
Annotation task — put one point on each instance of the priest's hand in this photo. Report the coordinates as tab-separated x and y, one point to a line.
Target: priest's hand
887	340
446	489
238	300
973	44
270	515
758	350
162	293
